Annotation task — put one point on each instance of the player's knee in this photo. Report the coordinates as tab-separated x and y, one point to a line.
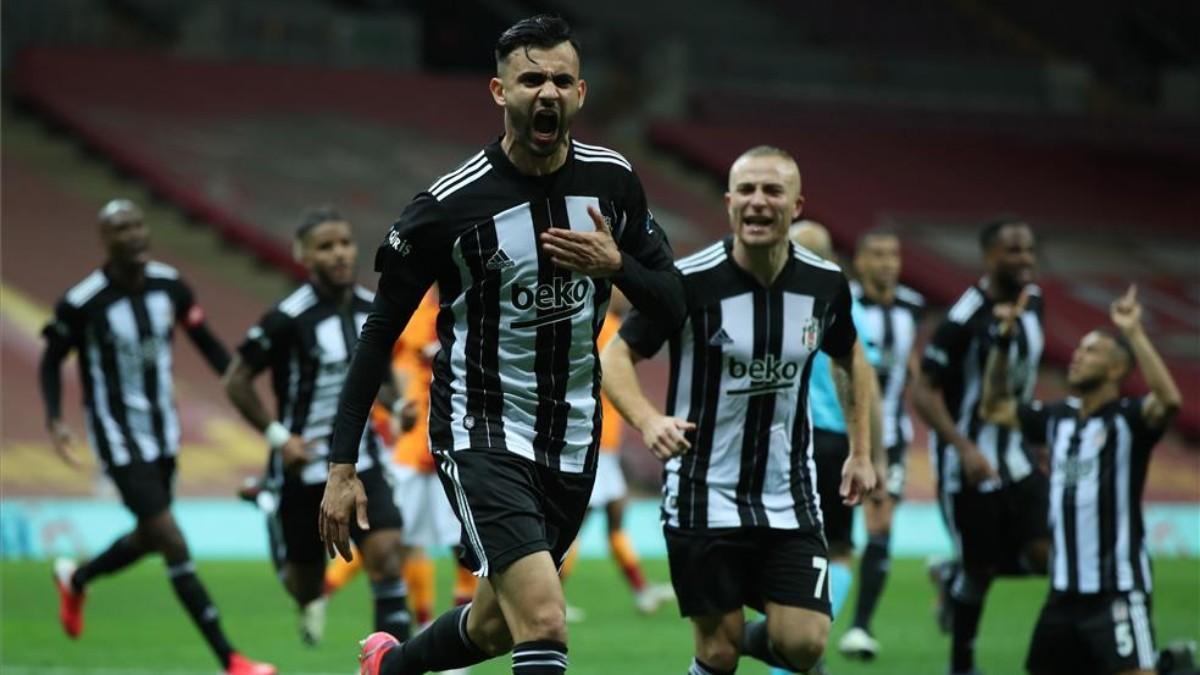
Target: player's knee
839	550
163	535
801	645
304	582
489	632
1036	556
720	654
971	585
384	558
545	622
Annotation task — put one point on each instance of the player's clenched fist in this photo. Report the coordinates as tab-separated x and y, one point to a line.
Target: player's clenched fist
665	436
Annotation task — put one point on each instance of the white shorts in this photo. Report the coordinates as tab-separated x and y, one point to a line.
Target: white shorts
428	519
610	481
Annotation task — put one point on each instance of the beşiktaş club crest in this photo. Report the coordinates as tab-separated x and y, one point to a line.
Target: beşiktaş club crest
810	333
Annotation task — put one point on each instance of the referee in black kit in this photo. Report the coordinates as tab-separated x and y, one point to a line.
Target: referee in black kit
524	240
121	320
1097	618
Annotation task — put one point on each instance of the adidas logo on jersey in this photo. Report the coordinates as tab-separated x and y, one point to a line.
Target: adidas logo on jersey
720	339
554	301
499	261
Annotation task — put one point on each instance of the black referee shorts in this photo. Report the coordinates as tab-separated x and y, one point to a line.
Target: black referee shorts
993	528
717	571
1101	633
146	488
300	510
511	507
830	451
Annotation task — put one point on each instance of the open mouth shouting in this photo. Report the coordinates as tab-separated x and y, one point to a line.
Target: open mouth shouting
757	223
545	126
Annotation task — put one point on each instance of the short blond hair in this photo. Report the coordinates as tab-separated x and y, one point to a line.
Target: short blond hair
769	151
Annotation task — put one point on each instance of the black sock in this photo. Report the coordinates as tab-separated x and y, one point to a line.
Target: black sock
756	643
195	599
701	668
391	608
444	645
121	554
962	638
872	573
539	657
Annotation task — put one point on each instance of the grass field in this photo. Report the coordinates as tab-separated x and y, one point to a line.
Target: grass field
135	627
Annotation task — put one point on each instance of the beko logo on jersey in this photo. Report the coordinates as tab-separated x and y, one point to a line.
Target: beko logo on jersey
766	374
1074	470
557	300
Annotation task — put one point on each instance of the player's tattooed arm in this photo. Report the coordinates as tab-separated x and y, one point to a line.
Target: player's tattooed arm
854	381
1164	399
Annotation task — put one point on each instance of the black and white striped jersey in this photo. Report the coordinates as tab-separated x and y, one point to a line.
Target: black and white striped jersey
307	341
518	368
955	359
124	341
1098	468
890	331
740	366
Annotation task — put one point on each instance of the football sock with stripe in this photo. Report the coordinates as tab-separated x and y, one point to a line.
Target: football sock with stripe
872	574
391	608
444	645
539	657
199	606
699	667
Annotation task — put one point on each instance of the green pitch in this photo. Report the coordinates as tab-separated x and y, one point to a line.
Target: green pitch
135	627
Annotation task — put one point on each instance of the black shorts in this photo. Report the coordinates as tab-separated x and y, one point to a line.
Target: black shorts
511	507
993	528
1098	633
897	470
830	451
717	571
147	488
295	537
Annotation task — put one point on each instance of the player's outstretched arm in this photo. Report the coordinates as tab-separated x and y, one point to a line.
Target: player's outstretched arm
1164	399
50	380
665	436
855	383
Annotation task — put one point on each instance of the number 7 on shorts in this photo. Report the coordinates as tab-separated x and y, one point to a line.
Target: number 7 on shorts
822	566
